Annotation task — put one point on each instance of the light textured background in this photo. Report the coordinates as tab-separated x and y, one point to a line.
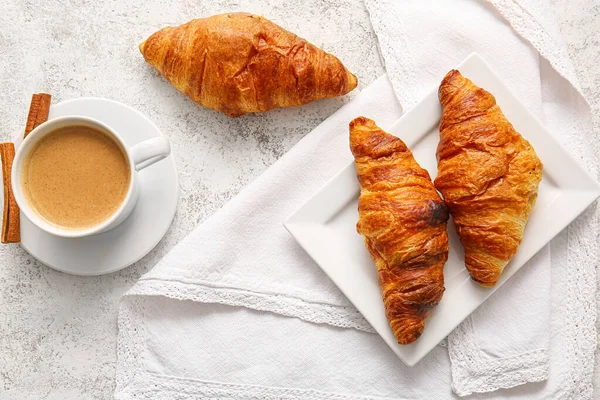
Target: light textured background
58	332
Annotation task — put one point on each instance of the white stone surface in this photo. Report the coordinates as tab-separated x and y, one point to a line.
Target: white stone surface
58	332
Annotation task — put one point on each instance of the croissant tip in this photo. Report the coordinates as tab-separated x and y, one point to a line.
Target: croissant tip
489	281
449	85
409	336
409	340
450	75
352	82
360	121
141	46
486	284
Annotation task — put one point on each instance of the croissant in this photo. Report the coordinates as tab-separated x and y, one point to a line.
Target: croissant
403	221
488	175
240	63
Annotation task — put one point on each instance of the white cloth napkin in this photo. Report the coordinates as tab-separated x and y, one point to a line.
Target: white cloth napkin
420	41
241	277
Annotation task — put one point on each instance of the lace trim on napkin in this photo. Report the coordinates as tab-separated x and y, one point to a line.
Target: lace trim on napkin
551	47
173	388
473	372
318	313
574	305
129	343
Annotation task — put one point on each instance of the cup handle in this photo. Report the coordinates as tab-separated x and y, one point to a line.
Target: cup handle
146	153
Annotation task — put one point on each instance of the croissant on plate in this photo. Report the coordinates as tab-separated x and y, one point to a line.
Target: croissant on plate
488	174
240	63
403	221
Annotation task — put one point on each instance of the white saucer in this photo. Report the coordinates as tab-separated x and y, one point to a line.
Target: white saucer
144	228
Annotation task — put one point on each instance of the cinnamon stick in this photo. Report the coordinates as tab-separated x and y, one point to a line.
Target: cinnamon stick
11	217
38	111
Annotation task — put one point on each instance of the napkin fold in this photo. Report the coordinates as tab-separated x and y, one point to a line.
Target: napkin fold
238	310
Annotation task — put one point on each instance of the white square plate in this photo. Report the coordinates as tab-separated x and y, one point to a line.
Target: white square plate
325	226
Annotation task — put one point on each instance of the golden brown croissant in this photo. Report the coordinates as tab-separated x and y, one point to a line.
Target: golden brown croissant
488	175
240	63
403	220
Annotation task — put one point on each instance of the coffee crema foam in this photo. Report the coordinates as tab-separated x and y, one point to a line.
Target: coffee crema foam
75	177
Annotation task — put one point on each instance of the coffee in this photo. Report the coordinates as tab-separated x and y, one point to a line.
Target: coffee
75	177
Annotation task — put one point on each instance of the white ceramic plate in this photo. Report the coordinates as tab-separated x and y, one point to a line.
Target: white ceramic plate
325	226
144	228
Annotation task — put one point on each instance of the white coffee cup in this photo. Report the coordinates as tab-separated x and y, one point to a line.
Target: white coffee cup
139	156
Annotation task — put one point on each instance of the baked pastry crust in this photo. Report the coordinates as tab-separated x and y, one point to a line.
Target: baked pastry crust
403	221
240	63
488	174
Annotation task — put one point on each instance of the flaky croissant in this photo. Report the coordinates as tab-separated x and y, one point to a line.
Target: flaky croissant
488	175
240	63
403	220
